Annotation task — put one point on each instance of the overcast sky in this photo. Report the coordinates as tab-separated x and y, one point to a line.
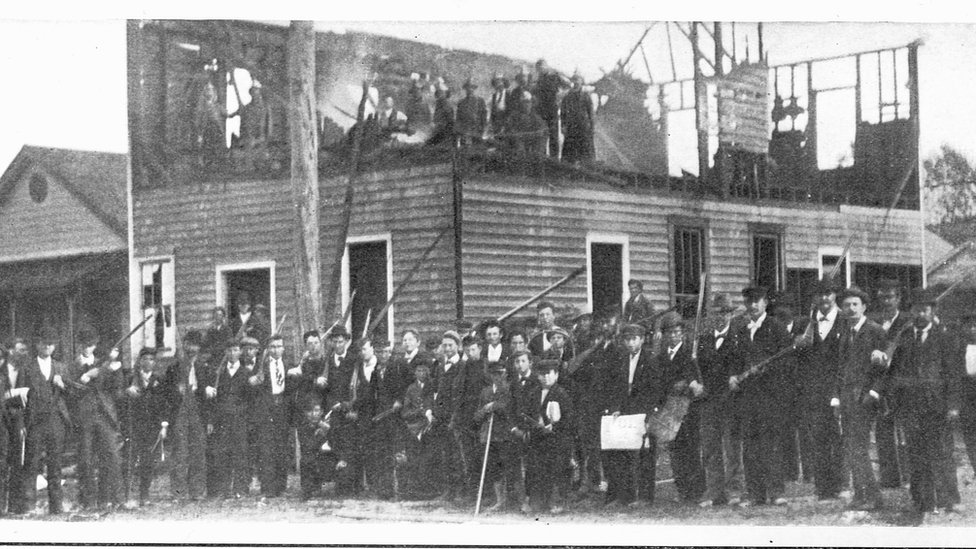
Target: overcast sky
65	79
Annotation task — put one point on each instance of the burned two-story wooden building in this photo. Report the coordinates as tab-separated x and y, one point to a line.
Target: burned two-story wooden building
511	225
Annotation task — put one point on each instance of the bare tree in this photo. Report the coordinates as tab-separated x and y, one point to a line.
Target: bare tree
950	188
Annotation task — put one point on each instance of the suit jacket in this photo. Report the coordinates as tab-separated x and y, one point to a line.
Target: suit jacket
640	397
522	405
770	391
94	400
181	397
638	309
502	424
416	402
150	408
856	375
716	364
900	321
232	394
561	437
45	401
924	375
254	327
680	369
817	369
404	368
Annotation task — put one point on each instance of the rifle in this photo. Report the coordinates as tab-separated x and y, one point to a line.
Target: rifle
576	272
344	317
152	313
698	320
406	280
484	463
384	414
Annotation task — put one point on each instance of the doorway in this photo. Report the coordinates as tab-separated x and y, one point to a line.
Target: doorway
606	277
368	276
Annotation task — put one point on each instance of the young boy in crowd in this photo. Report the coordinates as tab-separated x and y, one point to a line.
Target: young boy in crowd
549	421
494	416
317	460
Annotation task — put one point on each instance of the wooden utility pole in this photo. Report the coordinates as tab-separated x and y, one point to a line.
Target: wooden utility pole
304	174
701	109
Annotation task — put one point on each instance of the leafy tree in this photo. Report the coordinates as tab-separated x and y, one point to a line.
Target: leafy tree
950	187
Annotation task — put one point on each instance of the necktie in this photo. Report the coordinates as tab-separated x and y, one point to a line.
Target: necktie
279	376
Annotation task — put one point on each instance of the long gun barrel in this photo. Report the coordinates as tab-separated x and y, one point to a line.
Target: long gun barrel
576	272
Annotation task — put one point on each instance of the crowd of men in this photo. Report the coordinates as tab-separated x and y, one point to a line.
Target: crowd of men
512	416
543	113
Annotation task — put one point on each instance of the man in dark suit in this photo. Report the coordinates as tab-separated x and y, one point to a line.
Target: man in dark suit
248	321
522	386
783	306
856	397
15	390
185	381
228	393
471	380
678	369
146	401
892	466
47	419
630	387
817	372
760	396
495	350
94	386
387	385
924	383
446	375
545	324
721	436
338	367
218	334
270	401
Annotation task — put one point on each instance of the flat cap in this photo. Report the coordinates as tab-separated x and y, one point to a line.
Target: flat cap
631	330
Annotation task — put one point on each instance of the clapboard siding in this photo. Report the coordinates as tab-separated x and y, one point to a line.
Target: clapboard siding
509	221
414	206
205	226
59	226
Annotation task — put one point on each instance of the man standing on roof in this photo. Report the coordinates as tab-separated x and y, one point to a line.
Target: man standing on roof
577	119
471	119
548	86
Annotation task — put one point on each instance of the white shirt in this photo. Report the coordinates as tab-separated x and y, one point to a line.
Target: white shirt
368	369
720	337
86	360
755	325
339	359
494	353
245	317
12	375
924	333
409	356
825	323
191	377
674	351
887	323
634	359
232	367
857	327
277	371
45	364
451	362
971	360
545	393
145	376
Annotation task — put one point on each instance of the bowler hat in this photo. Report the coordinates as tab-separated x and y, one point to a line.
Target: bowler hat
631	330
193	337
670	320
546	365
755	293
48	336
87	337
339	331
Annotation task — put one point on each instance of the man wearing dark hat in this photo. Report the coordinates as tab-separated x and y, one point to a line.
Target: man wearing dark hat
93	386
816	374
923	380
146	402
577	119
472	378
678	372
187	401
16	389
721	439
638	309
420	447
494	415
500	102
302	378
631	386
892	463
471	119
761	397
857	394
227	392
47	418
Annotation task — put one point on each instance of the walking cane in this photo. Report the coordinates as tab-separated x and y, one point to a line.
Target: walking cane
484	464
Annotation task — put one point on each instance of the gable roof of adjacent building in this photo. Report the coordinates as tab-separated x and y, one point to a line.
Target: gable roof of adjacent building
96	179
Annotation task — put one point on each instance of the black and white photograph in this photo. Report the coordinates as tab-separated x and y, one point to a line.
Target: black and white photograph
454	275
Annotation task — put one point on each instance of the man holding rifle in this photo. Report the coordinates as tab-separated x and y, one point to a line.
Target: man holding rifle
760	394
94	385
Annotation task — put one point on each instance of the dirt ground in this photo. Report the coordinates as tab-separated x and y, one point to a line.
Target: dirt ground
237	516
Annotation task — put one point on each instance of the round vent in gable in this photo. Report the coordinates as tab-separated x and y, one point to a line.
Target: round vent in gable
38	188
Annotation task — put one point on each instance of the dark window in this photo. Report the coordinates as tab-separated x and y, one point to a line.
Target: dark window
767	261
689	263
799	284
606	268
367	277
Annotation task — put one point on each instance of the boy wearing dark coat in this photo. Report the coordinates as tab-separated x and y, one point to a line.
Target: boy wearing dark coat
549	422
147	402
